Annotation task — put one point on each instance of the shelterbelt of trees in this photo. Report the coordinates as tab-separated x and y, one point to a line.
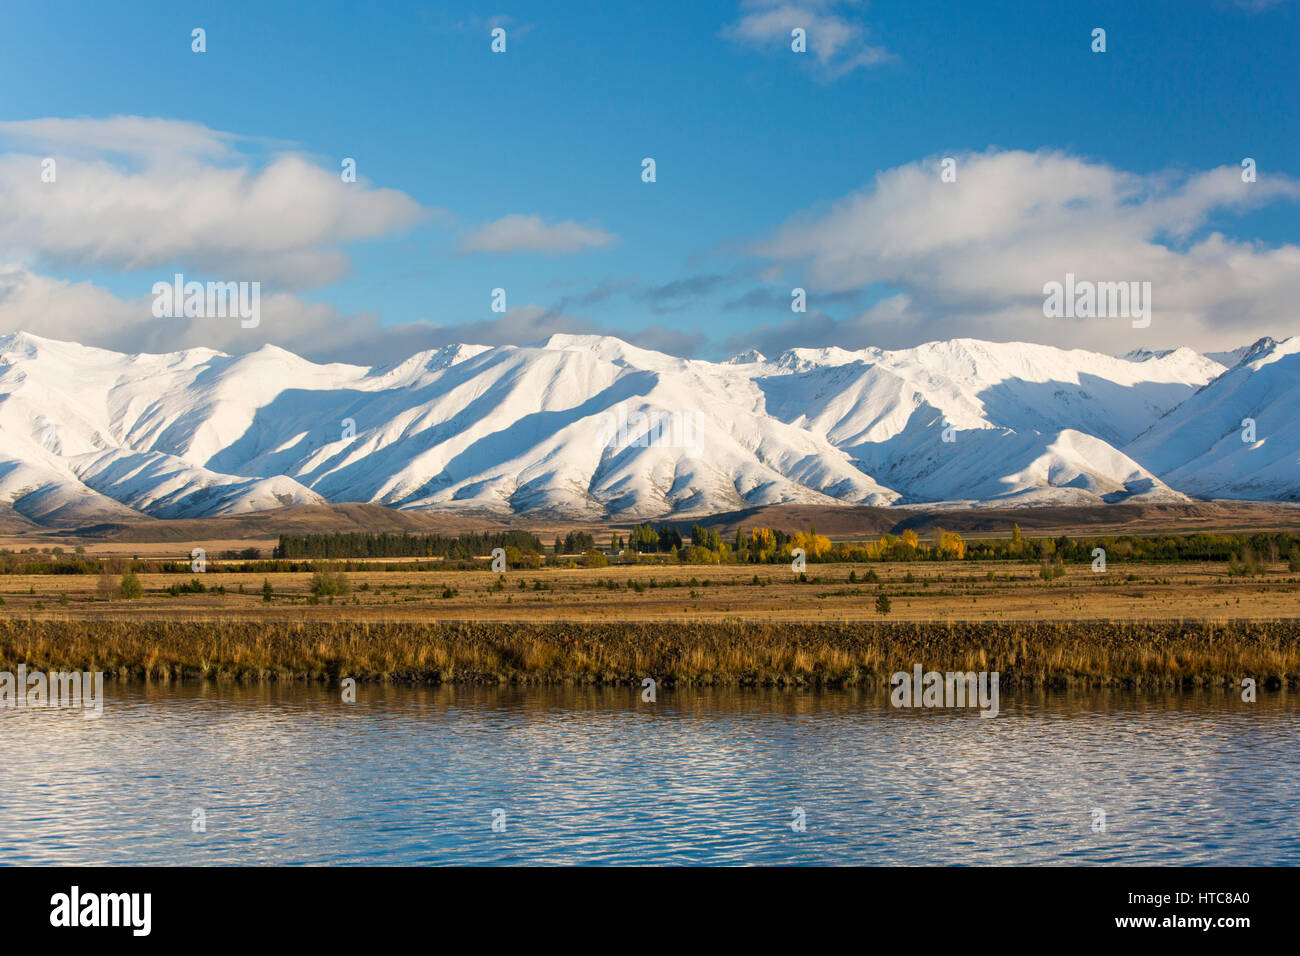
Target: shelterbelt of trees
362	545
768	545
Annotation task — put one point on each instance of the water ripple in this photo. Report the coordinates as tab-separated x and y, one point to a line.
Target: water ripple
291	775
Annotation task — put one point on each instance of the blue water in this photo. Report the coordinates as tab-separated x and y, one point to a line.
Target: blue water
409	776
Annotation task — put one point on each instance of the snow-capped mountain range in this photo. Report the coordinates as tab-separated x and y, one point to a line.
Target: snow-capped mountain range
588	427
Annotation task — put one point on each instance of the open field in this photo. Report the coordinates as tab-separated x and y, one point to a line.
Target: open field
923	591
918	592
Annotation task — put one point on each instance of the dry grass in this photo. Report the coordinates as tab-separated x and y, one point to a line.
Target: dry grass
1167	625
747	653
938	592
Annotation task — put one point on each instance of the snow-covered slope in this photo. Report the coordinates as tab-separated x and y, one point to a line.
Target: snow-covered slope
1024	423
1239	437
591	426
1232	357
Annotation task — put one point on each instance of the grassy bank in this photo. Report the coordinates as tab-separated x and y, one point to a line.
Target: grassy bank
1165	654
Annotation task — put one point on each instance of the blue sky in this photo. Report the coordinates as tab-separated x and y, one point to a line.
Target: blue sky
756	149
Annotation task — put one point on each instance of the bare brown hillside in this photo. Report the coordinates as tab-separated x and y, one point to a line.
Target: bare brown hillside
261	528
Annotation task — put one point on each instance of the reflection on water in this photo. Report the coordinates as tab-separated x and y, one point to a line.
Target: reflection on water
294	775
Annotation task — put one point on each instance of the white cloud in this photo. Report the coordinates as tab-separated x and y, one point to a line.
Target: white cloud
143	137
190	200
520	233
970	258
92	315
839	45
88	314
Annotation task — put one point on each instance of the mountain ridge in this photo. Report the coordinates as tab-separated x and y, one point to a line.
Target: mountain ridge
591	427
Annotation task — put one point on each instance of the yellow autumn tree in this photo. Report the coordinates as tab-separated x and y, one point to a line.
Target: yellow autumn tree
952	546
762	540
814	545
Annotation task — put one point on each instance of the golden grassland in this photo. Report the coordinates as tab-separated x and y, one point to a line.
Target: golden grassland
918	592
1142	654
1145	625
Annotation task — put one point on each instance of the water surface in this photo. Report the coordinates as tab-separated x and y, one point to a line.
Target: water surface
293	775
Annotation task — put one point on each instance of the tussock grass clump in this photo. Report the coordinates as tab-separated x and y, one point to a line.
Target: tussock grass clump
1167	654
